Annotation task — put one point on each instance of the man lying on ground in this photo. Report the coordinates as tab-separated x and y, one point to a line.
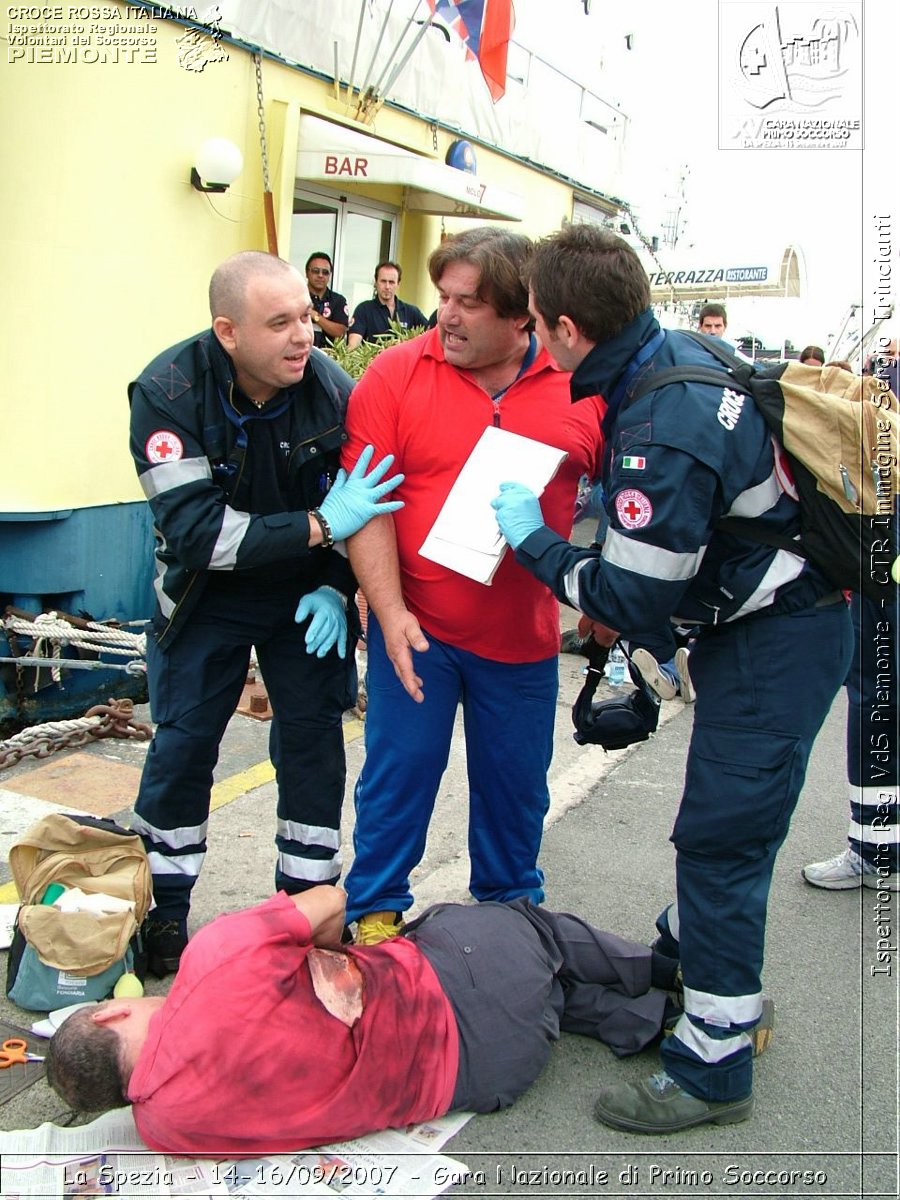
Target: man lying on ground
275	1037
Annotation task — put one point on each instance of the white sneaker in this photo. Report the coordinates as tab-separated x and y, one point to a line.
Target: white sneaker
848	870
653	676
685	686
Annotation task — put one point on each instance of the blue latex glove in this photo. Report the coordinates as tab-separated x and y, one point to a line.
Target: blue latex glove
353	499
328	626
518	512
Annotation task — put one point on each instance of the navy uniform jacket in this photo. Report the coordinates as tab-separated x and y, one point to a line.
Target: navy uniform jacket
372	317
186	443
677	460
332	306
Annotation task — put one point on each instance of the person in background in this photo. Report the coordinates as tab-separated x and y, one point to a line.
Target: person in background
713	320
330	315
435	637
871	858
872	855
767	618
812	356
375	316
235	435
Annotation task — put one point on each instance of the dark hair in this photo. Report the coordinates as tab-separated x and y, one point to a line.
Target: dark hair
319	254
814	352
591	276
712	310
842	363
388	263
83	1065
500	257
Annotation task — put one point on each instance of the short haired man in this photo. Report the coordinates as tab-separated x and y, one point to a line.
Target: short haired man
235	434
681	457
713	320
330	314
373	317
435	637
269	1042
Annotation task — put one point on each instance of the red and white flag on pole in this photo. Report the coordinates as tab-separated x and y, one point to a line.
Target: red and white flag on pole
486	27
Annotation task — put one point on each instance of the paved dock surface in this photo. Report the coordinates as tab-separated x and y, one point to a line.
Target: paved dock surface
826	1092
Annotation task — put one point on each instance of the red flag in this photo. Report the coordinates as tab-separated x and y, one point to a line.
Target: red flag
486	27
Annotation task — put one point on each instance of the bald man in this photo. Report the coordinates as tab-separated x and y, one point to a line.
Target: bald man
235	434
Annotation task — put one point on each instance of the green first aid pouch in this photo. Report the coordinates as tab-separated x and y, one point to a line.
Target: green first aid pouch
61	958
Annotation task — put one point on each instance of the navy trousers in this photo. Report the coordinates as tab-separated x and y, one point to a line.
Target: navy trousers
764	686
873	754
195	685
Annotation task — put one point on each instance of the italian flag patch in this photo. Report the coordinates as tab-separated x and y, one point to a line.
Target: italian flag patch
633	462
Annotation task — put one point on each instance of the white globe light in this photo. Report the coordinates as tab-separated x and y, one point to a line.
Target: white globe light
219	161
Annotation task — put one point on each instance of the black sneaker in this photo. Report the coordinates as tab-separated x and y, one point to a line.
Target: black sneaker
164	943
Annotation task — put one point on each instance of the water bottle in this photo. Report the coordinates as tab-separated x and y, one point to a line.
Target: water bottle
615	668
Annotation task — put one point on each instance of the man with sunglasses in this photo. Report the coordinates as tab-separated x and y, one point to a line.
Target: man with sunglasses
330	315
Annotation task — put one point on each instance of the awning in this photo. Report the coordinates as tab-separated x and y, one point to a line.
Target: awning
331	153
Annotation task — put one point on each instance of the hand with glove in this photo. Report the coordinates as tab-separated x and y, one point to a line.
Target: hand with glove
353	499
328	627
518	512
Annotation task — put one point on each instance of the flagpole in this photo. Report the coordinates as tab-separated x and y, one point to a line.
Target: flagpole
405	59
376	86
350	81
365	83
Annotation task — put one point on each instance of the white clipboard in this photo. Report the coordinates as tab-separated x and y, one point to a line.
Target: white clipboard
465	536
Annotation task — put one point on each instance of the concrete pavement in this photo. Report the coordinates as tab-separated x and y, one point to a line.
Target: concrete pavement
826	1092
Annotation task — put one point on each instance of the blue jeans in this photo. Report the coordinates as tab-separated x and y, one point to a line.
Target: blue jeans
508	715
764	686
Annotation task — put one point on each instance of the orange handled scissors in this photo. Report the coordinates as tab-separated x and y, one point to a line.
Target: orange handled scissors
13	1051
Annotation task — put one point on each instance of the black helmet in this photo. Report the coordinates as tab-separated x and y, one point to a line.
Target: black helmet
619	722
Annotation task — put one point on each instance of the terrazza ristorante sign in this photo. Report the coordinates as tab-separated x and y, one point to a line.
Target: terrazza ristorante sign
710	275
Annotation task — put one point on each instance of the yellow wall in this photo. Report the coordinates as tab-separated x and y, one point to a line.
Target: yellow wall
106	249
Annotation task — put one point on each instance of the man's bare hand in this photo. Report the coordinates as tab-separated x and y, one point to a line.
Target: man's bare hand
603	635
403	634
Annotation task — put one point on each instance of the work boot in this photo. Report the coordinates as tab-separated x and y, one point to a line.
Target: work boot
660	1105
377	927
571	642
164	943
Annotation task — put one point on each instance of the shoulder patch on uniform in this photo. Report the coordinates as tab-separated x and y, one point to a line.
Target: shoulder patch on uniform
634	462
633	509
164	446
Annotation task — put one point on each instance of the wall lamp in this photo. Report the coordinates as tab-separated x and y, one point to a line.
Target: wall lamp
218	163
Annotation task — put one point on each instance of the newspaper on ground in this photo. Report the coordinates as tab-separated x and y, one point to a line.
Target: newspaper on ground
108	1158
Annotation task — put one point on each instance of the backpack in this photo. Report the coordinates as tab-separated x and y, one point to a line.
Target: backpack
61	958
840	434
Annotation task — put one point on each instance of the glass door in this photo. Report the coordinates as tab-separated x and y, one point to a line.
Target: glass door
357	235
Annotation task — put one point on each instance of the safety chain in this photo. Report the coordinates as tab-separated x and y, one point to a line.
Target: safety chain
114	719
261	114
